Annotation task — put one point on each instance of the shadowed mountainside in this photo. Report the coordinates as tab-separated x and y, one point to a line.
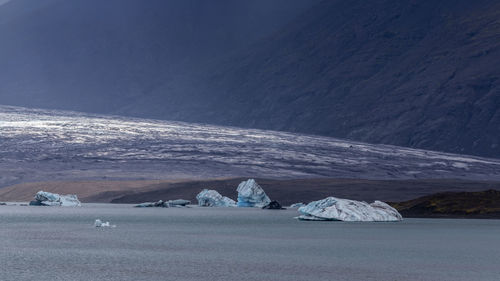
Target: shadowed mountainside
101	56
412	73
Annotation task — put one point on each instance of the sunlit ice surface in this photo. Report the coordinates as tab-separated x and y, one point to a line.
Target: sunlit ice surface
39	145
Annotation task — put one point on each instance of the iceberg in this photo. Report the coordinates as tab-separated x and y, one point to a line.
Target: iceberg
43	198
178	203
250	194
167	204
151	204
337	209
212	198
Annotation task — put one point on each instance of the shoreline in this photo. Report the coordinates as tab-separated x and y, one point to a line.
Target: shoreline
287	191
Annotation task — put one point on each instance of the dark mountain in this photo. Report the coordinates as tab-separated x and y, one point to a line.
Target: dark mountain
102	55
414	73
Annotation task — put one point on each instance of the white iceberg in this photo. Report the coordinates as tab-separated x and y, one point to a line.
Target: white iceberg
212	198
250	194
297	205
337	209
43	198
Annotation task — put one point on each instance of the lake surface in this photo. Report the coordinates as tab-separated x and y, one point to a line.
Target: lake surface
53	243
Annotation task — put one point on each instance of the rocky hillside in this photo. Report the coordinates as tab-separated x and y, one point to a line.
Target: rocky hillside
101	56
420	74
413	73
481	204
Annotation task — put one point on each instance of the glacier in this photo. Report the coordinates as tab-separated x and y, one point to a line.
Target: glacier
212	198
51	145
336	209
250	194
43	198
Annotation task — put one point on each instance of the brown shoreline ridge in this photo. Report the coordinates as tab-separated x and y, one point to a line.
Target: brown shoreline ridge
479	204
286	191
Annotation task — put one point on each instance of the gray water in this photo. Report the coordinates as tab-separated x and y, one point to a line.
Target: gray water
51	243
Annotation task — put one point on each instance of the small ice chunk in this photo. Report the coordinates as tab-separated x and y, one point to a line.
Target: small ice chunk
159	203
332	208
212	198
297	205
145	205
250	194
100	223
167	204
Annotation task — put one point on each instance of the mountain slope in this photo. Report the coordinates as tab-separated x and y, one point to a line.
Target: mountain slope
420	74
413	73
101	55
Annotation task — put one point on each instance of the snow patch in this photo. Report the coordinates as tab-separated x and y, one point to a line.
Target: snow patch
460	165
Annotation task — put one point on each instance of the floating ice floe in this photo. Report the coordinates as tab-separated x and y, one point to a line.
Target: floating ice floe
166	204
297	205
250	194
100	223
43	198
212	198
273	205
337	209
